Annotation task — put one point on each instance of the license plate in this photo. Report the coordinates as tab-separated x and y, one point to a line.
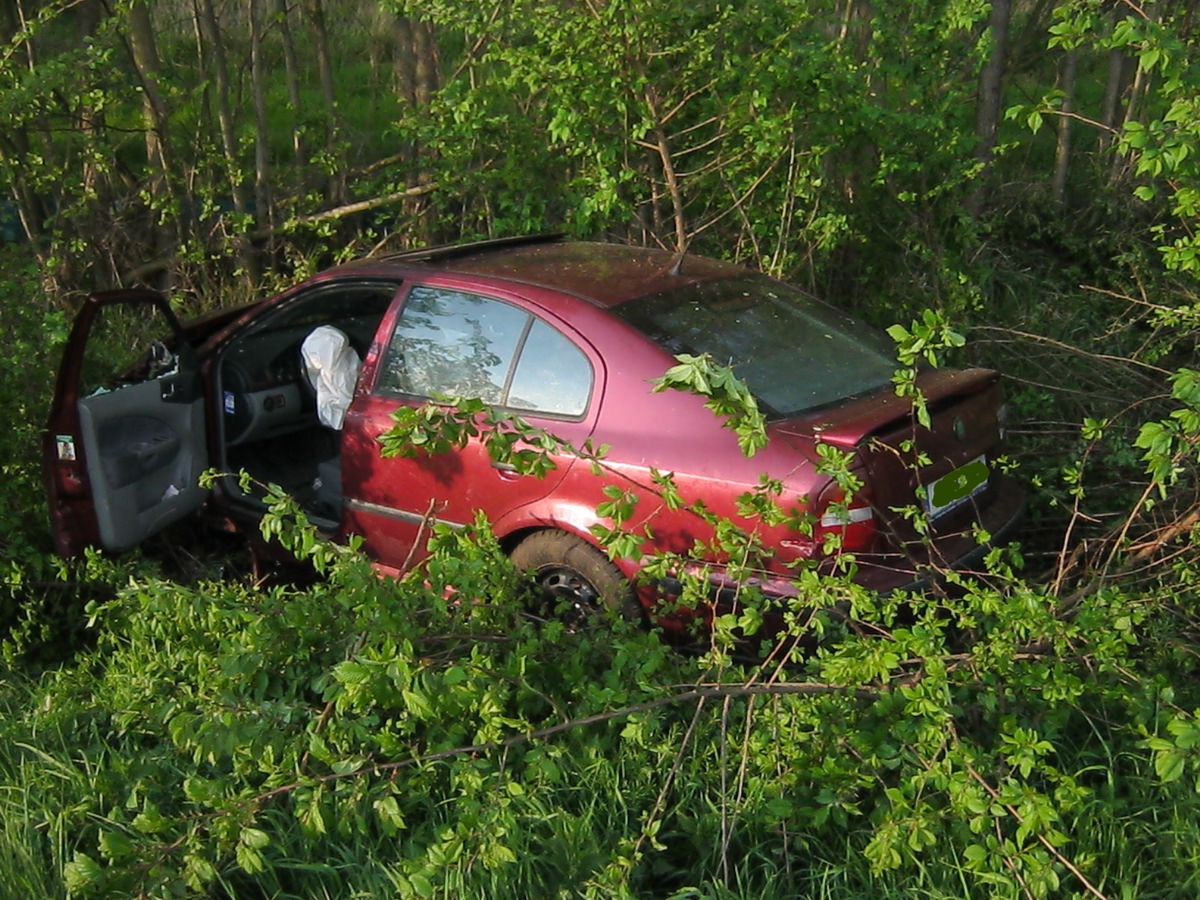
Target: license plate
955	488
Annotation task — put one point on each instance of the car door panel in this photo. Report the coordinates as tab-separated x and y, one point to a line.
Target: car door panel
392	502
124	446
143	466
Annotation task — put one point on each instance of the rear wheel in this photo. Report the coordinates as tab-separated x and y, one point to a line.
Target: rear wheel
573	581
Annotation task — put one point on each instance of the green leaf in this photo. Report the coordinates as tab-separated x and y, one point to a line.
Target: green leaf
350	672
82	874
390	817
254	837
150	820
421	884
250	859
1169	764
115	846
975	854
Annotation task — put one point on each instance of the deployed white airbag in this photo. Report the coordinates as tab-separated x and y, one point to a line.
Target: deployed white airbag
332	369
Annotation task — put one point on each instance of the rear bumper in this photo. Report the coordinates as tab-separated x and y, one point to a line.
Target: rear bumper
886	573
927	565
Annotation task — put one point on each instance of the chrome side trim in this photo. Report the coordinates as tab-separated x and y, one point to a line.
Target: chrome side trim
400	515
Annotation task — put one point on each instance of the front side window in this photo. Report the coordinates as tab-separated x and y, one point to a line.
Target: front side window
451	343
127	345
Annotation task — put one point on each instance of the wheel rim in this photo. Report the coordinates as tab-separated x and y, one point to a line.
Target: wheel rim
568	595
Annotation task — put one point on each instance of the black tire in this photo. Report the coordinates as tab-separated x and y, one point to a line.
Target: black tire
574	581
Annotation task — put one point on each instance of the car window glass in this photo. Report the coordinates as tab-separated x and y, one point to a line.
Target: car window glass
354	307
793	352
451	343
268	353
127	345
553	376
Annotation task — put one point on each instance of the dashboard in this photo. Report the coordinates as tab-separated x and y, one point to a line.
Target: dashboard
264	390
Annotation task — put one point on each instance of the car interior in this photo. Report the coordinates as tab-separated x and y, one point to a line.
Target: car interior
271	392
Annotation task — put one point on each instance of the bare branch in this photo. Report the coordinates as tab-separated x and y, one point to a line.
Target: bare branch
738	201
696	694
145	270
1079	351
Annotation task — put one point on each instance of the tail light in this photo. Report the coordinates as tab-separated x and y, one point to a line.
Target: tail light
846	526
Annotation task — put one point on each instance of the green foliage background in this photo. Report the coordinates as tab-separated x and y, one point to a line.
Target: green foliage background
170	728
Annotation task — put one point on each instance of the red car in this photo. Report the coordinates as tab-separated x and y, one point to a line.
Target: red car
297	389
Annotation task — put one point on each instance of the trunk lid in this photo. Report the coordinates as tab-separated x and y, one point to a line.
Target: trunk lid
946	469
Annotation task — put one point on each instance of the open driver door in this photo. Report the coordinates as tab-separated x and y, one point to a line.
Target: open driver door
125	441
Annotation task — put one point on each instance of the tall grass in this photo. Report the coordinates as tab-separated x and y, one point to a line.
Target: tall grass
41	789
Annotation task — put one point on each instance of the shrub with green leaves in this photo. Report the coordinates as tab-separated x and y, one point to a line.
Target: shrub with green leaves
32	336
429	736
426	737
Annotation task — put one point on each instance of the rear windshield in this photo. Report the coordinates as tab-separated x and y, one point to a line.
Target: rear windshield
793	352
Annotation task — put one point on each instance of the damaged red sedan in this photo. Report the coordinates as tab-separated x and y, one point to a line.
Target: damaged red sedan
297	389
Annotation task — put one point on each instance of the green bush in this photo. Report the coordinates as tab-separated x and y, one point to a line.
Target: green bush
426	736
32	337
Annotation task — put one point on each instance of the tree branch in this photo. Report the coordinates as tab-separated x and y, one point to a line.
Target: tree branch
338	212
696	694
1012	810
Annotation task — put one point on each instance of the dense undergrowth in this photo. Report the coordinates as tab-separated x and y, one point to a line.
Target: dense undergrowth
365	737
171	729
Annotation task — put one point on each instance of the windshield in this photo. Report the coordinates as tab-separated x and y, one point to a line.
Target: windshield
793	352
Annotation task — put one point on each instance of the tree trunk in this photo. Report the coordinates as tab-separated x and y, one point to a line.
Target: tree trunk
17	11
991	94
991	81
415	63
30	209
415	71
1110	106
14	143
670	176
220	75
258	88
88	16
1133	102
143	50
292	74
854	27
404	62
1062	153
36	136
219	66
335	188
96	168
425	52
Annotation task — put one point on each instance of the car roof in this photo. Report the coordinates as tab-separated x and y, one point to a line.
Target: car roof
603	274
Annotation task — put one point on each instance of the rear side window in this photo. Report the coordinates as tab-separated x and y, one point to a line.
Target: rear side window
455	344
